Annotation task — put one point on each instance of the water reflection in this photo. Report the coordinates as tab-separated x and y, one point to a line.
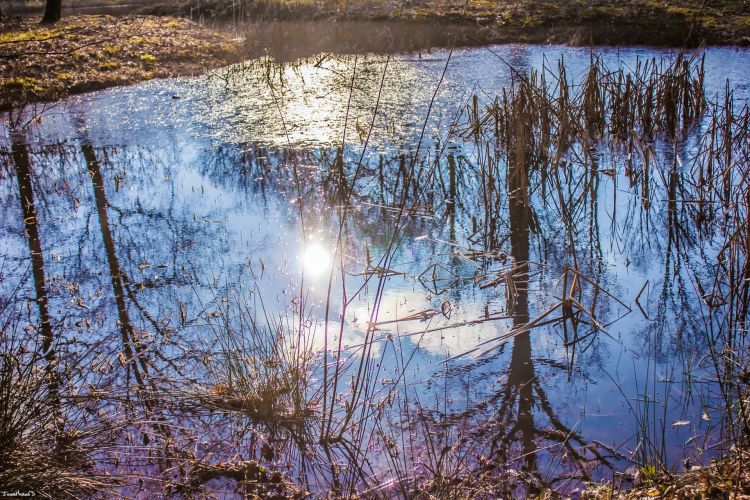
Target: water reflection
170	237
316	259
45	349
24	178
289	41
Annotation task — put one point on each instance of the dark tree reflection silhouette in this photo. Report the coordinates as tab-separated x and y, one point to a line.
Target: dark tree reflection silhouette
521	375
24	176
134	356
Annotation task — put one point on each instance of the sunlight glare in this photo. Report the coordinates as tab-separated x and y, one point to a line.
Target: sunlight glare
317	259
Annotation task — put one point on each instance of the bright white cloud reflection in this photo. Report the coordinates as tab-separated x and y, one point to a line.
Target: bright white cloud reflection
316	259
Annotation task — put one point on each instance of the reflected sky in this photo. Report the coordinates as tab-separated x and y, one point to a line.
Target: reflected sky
306	103
230	185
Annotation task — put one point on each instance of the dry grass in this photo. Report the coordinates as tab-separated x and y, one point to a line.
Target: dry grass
45	446
84	53
725	478
581	22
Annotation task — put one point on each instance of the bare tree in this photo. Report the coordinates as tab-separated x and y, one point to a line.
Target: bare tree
52	11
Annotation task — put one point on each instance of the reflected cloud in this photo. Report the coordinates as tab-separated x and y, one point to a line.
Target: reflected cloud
443	329
352	341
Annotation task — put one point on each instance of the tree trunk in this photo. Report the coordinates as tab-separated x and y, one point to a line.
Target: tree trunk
52	11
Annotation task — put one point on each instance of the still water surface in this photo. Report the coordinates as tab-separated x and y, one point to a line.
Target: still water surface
193	192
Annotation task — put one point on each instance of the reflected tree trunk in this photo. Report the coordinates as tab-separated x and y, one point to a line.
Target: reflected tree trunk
133	350
24	174
523	388
521	373
130	344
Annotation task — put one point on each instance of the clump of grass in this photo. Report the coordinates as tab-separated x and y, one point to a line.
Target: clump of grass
22	83
261	374
722	478
111	49
109	66
253	480
40	449
539	130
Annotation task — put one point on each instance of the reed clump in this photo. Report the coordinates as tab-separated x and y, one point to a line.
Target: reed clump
43	448
551	136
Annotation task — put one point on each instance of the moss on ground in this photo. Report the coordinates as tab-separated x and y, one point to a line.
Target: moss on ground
83	53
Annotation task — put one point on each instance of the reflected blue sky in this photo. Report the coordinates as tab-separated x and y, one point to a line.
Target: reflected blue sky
225	185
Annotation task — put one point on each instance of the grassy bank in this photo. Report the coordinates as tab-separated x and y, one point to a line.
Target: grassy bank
85	53
580	22
652	22
667	23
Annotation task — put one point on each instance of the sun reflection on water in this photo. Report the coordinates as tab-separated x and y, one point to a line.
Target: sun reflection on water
316	259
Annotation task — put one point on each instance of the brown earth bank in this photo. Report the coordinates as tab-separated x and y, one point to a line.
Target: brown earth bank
648	22
599	22
674	23
89	52
84	53
651	22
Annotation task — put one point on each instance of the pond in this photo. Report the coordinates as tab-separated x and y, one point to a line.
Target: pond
353	226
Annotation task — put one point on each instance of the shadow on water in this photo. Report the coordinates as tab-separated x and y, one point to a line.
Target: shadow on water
24	177
132	348
521	377
289	41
